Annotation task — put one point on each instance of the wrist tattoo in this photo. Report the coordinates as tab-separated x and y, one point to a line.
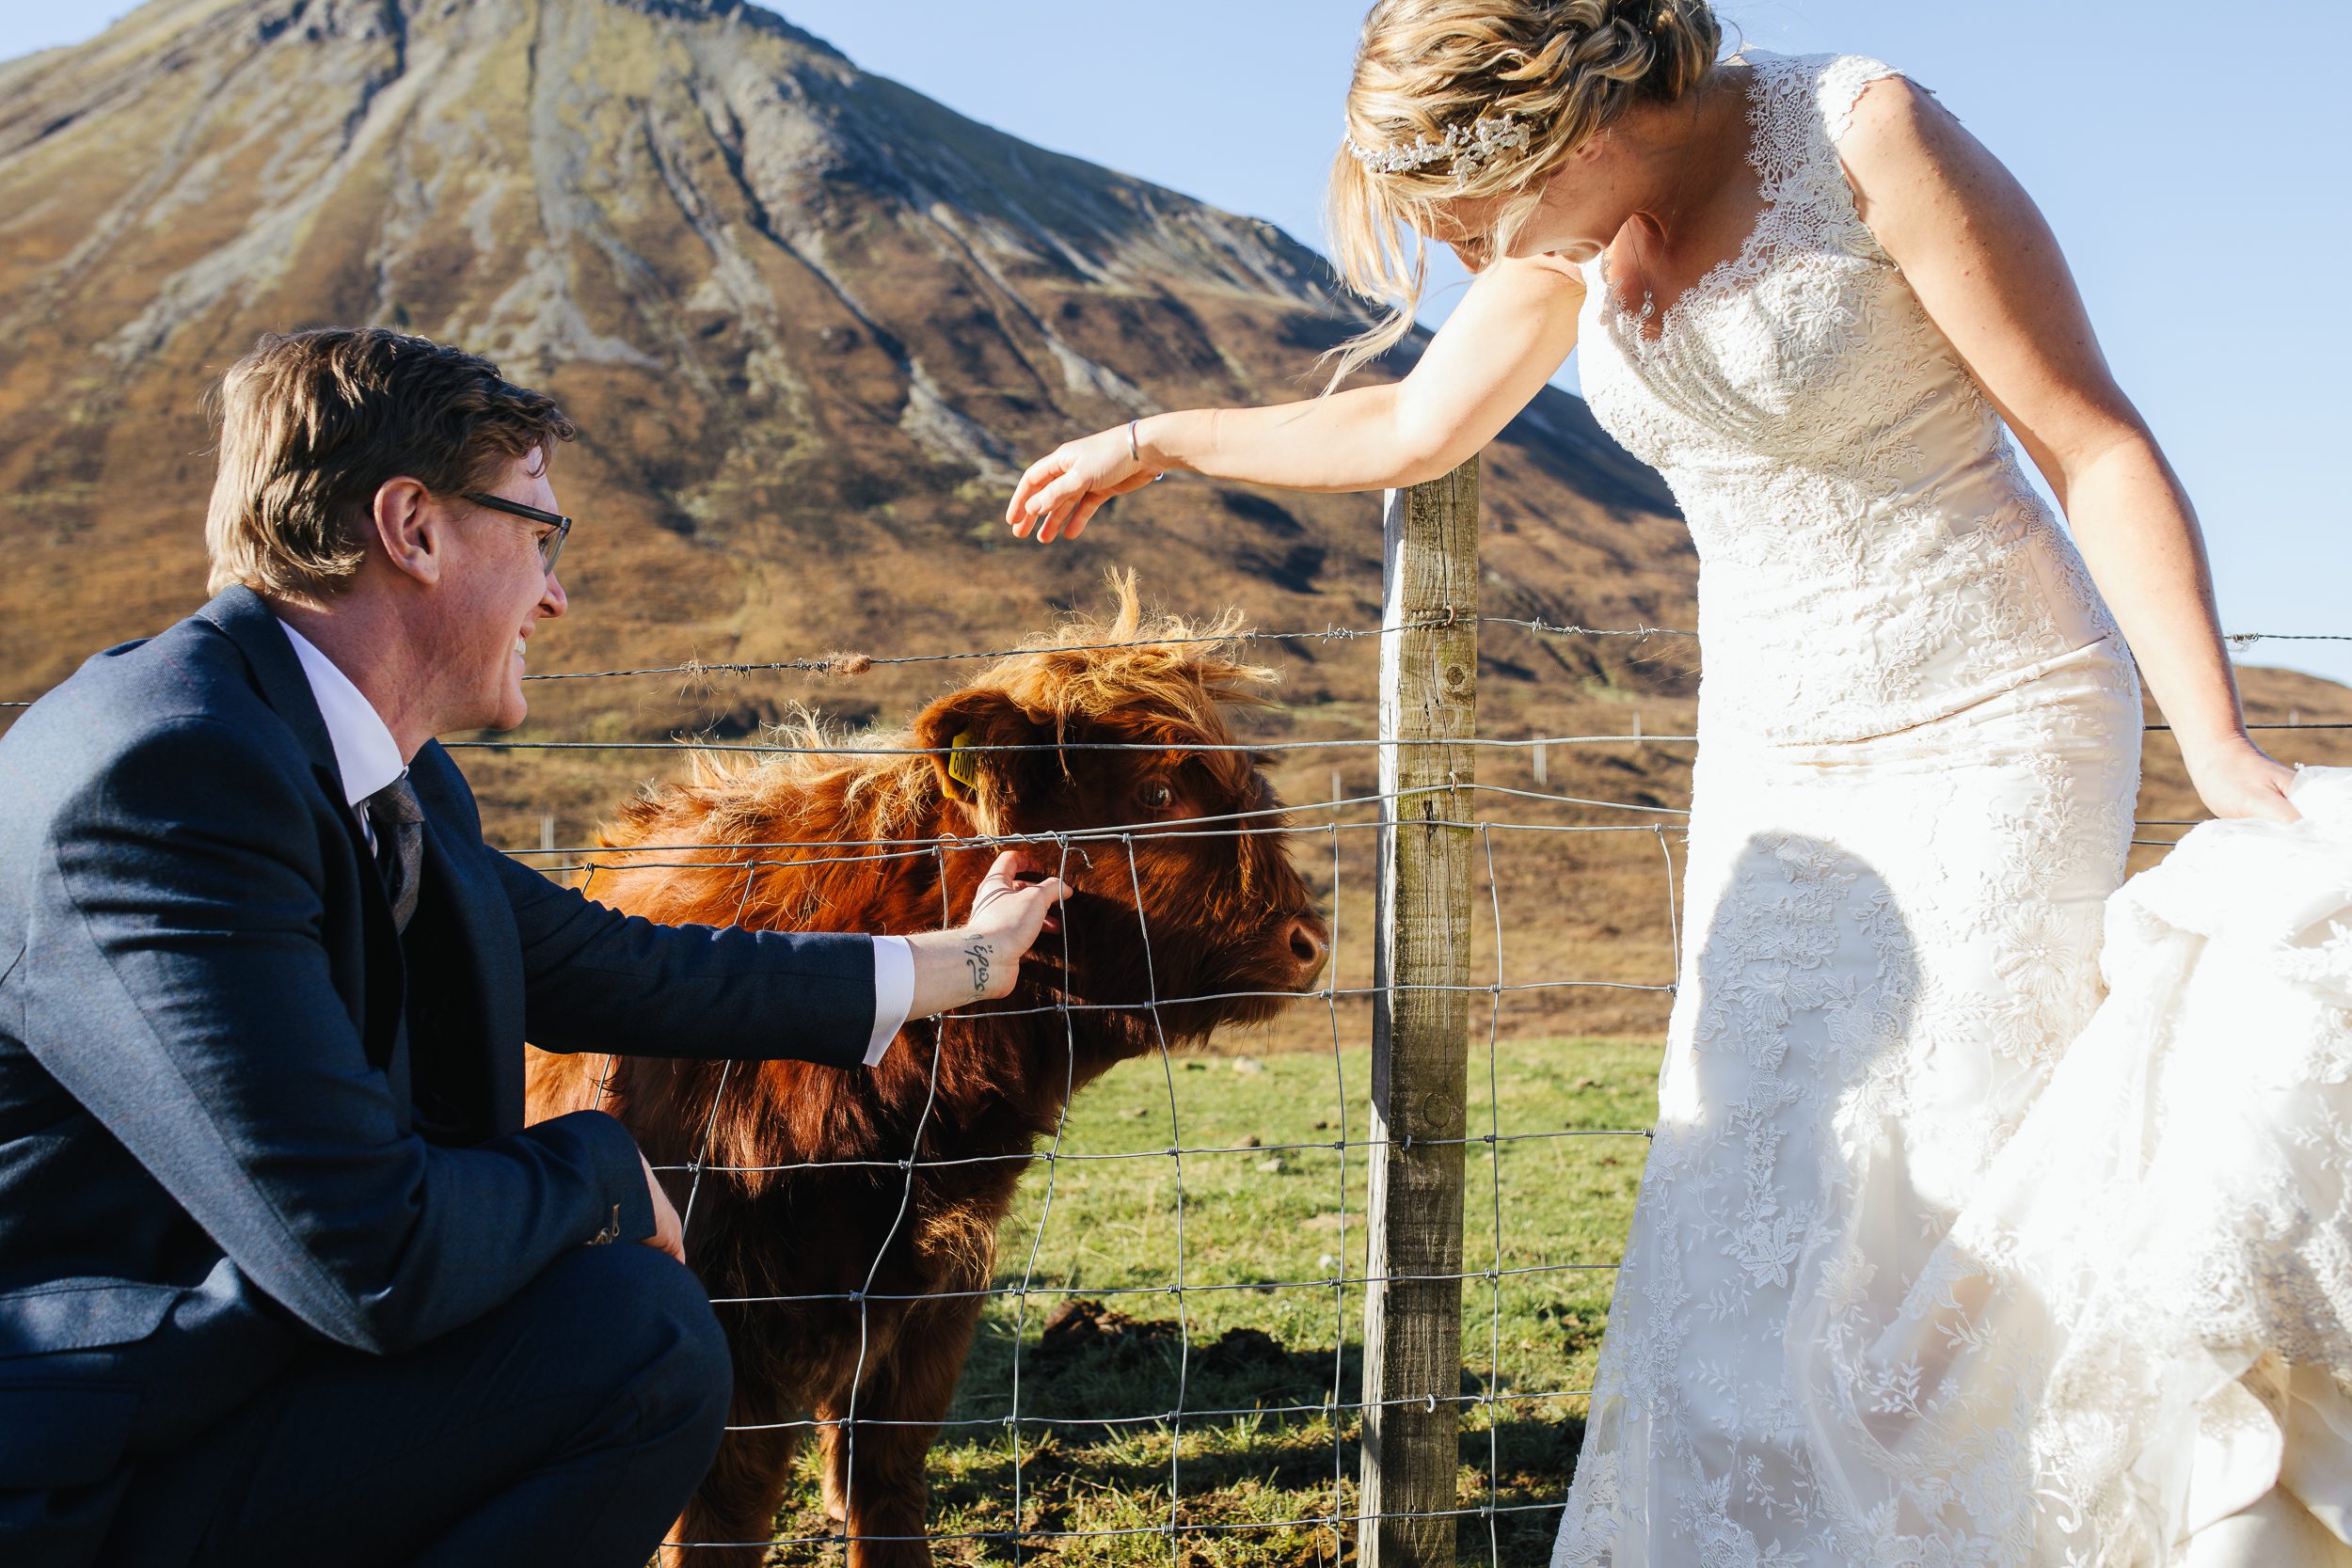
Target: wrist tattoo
975	958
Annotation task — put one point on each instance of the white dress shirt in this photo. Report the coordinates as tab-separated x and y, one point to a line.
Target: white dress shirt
365	753
369	758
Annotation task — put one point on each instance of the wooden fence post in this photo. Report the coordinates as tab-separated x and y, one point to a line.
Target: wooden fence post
1419	1037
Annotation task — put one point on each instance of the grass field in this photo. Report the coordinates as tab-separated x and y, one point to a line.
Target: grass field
1102	1350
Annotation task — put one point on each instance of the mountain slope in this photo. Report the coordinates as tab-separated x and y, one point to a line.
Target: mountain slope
811	322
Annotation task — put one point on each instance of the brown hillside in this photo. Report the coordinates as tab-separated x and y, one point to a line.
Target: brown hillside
811	323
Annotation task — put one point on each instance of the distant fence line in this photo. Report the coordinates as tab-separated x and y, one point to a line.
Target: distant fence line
846	663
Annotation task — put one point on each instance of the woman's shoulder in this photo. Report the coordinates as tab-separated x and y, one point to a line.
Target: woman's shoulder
1827	85
1840	83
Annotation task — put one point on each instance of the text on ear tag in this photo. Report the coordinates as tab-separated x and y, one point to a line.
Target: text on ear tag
963	766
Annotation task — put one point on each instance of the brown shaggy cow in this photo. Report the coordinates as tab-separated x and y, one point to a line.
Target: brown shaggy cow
1227	917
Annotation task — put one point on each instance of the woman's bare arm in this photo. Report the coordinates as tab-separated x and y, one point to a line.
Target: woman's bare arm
1987	270
1514	328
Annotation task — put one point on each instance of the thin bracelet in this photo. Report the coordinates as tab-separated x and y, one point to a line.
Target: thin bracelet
1136	453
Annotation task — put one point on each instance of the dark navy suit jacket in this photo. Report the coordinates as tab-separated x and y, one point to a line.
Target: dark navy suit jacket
211	1036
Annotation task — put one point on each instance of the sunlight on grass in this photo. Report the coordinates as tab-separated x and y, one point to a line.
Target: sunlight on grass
1131	1394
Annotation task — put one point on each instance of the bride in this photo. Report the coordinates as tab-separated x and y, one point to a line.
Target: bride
1910	1280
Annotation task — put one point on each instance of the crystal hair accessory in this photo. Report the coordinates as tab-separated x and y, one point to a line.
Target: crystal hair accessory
1467	147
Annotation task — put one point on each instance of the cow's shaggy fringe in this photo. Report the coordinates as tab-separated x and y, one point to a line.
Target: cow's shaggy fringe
1083	670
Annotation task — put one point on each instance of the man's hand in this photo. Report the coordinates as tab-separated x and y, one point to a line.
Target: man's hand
980	960
668	1234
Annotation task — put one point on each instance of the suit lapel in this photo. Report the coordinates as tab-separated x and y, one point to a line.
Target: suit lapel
246	619
464	1007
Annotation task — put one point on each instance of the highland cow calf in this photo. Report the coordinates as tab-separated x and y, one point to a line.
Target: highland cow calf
804	1195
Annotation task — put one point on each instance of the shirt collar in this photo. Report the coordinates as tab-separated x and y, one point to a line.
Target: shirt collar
366	754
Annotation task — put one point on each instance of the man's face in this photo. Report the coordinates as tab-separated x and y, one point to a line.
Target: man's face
498	592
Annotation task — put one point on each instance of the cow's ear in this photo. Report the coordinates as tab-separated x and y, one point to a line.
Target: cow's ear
979	743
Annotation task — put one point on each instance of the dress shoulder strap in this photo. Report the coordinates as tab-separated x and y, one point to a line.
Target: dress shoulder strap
1807	108
1839	86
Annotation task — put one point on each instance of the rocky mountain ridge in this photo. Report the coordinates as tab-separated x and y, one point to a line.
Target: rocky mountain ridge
811	324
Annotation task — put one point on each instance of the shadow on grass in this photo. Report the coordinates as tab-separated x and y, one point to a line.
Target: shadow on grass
1084	1363
1099	1392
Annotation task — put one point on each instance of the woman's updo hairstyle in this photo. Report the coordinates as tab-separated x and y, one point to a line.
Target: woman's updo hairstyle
1458	99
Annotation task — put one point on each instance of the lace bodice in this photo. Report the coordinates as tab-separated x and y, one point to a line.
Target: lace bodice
1870	553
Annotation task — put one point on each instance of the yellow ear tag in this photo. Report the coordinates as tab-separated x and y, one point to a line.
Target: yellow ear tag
963	766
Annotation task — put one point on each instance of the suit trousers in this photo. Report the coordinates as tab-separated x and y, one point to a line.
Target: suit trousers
568	1425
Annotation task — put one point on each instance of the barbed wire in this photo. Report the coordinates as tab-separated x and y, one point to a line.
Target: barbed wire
1153	1416
748	858
1173	1417
1244	747
1333	1146
2242	637
843	662
1269	821
1018	1292
850	663
1253	747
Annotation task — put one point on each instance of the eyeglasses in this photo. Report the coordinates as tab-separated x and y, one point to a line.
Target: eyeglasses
551	544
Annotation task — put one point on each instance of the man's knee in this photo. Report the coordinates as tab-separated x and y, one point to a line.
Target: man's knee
645	1323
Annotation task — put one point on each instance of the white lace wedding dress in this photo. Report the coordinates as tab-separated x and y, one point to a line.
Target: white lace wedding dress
1917	1277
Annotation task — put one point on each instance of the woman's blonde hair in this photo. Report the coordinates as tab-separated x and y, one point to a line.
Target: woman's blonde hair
1548	75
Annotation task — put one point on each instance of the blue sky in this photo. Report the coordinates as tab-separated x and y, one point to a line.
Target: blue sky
2193	165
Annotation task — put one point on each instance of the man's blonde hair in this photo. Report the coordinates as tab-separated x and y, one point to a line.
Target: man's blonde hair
1561	69
312	426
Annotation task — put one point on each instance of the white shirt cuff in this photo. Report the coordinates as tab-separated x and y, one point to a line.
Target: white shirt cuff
893	993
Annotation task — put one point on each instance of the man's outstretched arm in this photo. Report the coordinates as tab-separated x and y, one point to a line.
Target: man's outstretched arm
601	980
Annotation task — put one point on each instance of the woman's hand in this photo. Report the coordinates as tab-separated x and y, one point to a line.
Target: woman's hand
2235	778
1063	489
980	960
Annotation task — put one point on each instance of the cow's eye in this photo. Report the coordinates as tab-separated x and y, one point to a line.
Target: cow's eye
1158	797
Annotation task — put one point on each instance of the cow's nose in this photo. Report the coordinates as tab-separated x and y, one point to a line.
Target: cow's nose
1306	946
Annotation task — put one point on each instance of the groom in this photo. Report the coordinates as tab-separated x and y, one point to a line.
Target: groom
283	1277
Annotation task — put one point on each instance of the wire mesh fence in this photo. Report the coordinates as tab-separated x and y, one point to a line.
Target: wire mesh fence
1026	1281
1019	1288
1024	1288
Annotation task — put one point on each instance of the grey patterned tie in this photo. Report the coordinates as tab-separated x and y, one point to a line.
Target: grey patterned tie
399	824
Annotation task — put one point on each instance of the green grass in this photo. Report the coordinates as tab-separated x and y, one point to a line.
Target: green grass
1270	1212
